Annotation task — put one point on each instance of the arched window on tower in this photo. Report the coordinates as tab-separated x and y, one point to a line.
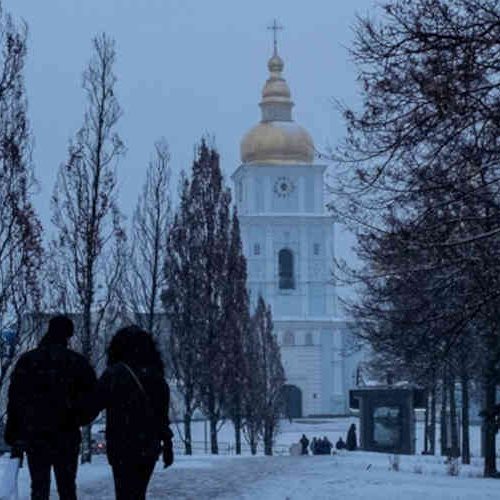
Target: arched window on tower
285	266
288	338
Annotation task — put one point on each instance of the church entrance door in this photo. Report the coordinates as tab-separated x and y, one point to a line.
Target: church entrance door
293	401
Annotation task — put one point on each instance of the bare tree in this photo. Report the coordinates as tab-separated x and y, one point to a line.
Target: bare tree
85	213
150	229
20	228
422	183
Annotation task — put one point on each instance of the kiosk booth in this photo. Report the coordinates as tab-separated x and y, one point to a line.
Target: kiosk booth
387	417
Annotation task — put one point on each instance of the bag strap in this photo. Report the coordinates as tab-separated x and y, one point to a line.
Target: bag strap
141	387
136	379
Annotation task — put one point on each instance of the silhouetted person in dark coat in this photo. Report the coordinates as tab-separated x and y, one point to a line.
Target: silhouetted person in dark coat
136	398
327	446
313	445
352	442
41	417
304	443
340	444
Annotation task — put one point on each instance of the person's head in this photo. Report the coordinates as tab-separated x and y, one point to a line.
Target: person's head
60	330
134	346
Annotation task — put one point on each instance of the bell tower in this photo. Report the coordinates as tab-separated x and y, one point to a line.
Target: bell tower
288	239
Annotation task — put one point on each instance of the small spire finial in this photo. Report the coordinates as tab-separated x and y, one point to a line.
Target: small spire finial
275	27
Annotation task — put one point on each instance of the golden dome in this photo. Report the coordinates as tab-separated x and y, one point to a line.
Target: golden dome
277	142
277	138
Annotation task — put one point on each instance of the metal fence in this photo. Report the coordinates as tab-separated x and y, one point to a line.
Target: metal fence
227	448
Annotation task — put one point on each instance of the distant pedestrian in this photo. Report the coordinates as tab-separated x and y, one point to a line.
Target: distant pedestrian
304	443
136	398
41	417
340	444
323	446
313	446
327	446
352	442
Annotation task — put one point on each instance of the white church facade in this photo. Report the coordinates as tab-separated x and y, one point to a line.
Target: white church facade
288	239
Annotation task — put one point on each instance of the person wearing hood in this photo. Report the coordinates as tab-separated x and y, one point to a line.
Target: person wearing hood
352	442
136	397
304	443
340	444
45	385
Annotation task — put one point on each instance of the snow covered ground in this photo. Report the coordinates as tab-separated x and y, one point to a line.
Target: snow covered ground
355	475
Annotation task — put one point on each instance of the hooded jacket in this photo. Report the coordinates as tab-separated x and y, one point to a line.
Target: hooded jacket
45	384
136	413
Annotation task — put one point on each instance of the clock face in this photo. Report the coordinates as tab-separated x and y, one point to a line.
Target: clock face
283	187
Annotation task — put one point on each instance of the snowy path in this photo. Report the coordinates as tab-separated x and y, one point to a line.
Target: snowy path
352	476
204	478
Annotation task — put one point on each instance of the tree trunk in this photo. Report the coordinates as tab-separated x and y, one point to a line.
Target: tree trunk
214	446
253	442
490	467
433	421
187	434
213	419
465	419
426	426
86	447
444	427
455	448
237	434
268	439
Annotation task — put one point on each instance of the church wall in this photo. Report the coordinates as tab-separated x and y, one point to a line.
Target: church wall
257	189
262	242
303	369
315	362
331	296
309	195
259	194
316	299
351	359
326	340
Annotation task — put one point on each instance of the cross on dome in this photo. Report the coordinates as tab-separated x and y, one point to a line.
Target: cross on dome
277	139
275	27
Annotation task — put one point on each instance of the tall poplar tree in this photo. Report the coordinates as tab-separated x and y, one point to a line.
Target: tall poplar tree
273	375
183	307
196	293
210	201
20	229
85	212
236	329
263	392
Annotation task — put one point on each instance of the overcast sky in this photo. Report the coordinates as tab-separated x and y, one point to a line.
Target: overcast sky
185	68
